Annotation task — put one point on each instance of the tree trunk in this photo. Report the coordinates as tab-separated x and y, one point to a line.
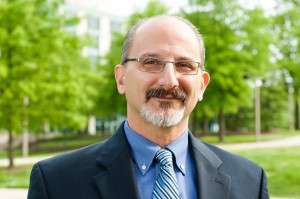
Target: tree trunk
25	135
257	112
25	143
206	124
297	111
10	154
85	131
46	128
10	131
193	123
222	127
291	105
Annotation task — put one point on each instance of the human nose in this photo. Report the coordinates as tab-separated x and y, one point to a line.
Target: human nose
168	76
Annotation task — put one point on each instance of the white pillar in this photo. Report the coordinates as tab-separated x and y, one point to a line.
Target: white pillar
104	35
92	125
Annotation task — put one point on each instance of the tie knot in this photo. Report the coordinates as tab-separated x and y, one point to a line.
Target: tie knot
164	157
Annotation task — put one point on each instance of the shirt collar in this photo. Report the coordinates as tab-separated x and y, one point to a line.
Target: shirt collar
144	150
179	148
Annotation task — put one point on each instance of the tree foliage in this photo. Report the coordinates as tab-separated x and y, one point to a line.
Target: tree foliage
41	62
287	26
237	42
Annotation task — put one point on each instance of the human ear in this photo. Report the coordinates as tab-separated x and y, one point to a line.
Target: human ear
204	82
120	78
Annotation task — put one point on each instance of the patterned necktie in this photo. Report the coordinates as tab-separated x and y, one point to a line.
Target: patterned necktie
165	186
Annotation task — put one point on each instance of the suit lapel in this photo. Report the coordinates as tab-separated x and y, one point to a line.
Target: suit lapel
115	180
212	183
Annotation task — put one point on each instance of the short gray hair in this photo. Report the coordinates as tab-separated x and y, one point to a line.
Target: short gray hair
131	33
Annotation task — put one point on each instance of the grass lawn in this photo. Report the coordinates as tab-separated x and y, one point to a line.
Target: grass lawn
17	177
65	142
59	143
282	167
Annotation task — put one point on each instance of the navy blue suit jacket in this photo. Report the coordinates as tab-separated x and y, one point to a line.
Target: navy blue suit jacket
104	171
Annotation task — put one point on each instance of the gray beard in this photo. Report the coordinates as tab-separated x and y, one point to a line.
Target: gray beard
162	118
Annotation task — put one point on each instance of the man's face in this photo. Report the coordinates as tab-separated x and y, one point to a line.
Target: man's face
166	98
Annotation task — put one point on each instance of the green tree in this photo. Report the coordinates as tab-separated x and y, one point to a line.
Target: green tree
288	30
274	106
257	41
232	53
40	61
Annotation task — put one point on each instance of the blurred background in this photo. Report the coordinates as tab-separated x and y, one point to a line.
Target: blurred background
57	89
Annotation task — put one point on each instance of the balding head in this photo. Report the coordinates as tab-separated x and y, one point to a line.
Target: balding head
159	22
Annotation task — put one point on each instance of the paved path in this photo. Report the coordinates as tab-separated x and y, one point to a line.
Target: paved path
13	193
23	161
286	142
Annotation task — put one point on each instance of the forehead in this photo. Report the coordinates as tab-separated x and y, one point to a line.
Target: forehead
165	36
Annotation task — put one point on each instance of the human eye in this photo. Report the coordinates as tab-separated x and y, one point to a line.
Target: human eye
150	61
151	64
186	66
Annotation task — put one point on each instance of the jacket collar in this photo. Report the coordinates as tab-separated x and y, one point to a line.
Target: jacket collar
116	179
211	182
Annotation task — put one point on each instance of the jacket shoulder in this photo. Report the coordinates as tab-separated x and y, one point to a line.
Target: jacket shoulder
236	165
72	161
86	156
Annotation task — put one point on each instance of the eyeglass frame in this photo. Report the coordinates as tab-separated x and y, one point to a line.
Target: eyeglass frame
139	60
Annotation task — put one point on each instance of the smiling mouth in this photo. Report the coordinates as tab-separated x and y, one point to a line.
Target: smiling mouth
168	99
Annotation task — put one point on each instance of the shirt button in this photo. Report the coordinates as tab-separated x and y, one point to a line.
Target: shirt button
144	167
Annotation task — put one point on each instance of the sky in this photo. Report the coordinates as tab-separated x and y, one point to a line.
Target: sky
126	7
268	5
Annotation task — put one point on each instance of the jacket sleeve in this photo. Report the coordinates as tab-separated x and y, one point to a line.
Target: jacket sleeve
37	187
264	194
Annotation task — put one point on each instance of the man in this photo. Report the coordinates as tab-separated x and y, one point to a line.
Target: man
153	155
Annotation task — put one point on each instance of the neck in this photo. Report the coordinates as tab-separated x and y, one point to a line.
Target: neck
161	136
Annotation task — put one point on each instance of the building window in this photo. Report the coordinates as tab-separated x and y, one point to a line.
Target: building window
93	23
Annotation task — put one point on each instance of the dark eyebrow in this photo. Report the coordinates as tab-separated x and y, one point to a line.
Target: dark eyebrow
150	55
183	58
155	55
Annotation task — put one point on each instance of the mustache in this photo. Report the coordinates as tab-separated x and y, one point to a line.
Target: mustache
176	93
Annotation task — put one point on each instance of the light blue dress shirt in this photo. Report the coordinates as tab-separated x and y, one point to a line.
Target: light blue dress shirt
146	169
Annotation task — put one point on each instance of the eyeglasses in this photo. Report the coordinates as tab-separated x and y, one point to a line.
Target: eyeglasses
156	65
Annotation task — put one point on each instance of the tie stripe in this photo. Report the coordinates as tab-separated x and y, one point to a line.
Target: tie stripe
165	186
